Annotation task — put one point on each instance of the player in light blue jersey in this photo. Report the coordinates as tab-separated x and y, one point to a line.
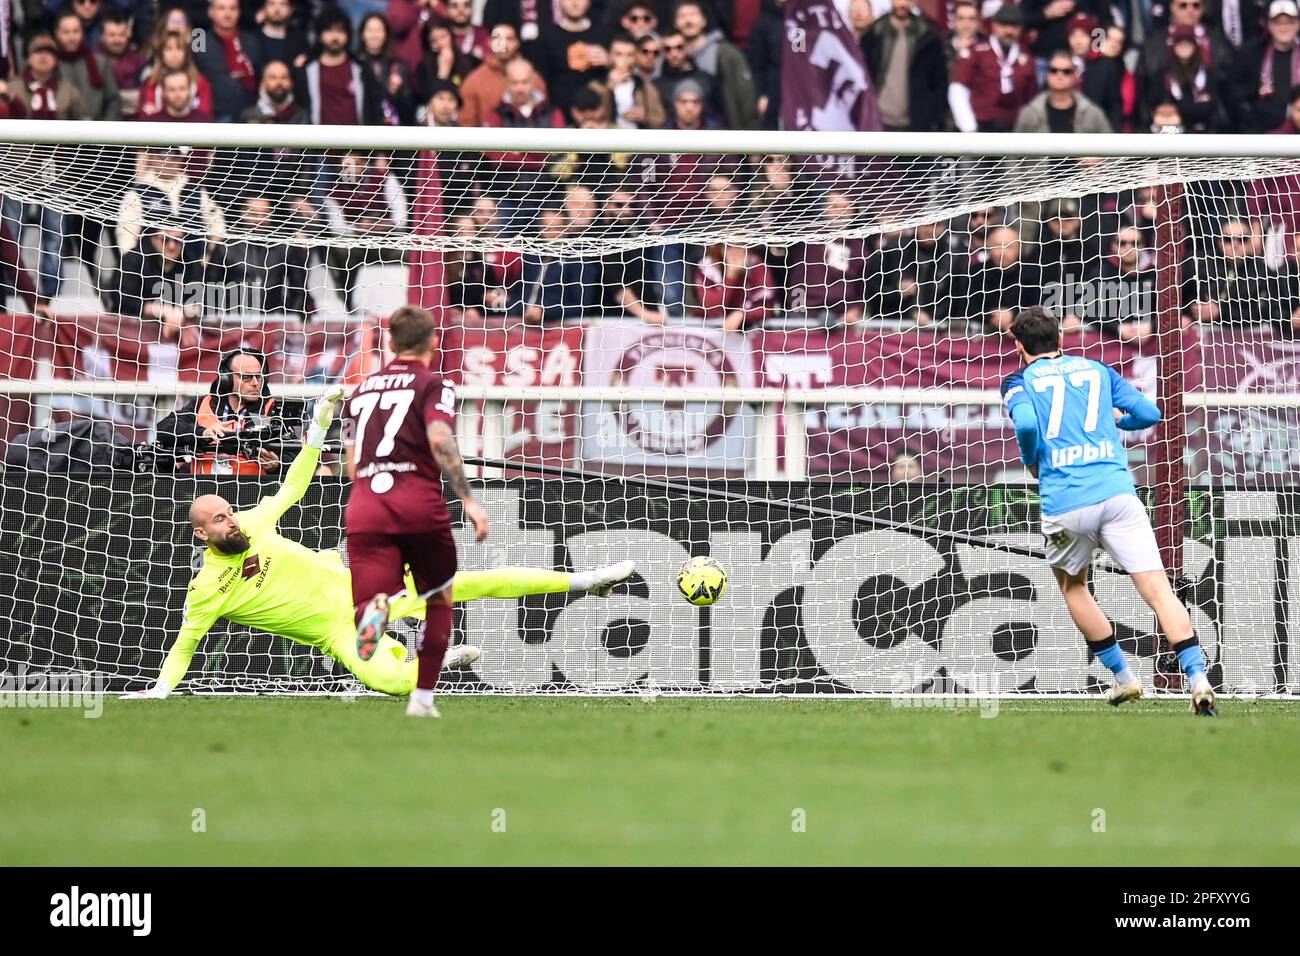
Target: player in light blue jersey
1066	410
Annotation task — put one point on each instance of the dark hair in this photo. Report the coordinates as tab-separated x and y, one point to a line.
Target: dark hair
333	18
1037	330
411	329
388	33
698	5
586	98
622	36
637	5
113	15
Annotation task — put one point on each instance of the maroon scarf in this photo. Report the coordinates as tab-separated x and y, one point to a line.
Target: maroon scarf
1266	70
240	66
92	65
45	96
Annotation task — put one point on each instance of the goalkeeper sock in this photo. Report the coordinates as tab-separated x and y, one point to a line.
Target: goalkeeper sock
1108	652
1190	658
507	583
437	635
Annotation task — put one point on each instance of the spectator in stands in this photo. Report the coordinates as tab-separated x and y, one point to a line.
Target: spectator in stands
571	52
1051	19
967	31
519	180
1286	321
905	57
1233	284
649	58
154	282
172	52
461	182
12	106
721	60
994	79
860	17
827	280
1121	289
470	39
764	48
230	60
781	192
632	102
365	202
732	284
164	187
601	171
91	15
679	66
1099	75
483	89
676	184
1166	117
1062	255
465	275
1184	15
45	96
554	289
639	18
17	280
268	277
86	70
1115	48
906	466
125	60
1190	82
278	36
276	102
1061	108
178	104
1267	79
443	60
407	20
392	76
929	260
999	286
338	92
624	289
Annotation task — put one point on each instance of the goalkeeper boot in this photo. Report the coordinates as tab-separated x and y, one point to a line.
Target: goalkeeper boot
461	657
374	619
1203	699
605	578
415	708
1122	693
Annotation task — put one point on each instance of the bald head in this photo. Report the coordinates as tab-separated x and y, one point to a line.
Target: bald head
214	524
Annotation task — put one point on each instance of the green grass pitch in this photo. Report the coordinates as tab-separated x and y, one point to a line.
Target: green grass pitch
631	781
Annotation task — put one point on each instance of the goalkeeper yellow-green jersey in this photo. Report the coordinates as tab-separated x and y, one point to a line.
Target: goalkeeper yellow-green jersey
277	585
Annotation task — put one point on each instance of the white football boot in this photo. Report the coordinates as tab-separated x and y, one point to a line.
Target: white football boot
1122	693
1203	699
461	657
608	576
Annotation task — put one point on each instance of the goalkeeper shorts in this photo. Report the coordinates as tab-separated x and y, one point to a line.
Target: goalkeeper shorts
1119	525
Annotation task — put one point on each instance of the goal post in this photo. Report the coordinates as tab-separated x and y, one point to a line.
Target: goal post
779	349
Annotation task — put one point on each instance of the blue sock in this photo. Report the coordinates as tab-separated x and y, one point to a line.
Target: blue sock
1190	658
1107	651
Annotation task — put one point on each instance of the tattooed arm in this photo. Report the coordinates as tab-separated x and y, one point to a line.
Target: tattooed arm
443	445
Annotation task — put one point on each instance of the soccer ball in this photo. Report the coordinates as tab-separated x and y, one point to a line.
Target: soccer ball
702	581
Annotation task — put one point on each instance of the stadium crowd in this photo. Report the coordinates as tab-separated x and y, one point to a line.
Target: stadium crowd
1044	66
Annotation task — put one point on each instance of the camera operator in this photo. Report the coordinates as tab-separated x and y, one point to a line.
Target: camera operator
238	428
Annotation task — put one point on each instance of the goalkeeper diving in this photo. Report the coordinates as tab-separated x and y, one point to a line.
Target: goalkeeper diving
251	575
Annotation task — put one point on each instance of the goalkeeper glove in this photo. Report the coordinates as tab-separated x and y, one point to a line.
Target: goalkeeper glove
322	415
156	692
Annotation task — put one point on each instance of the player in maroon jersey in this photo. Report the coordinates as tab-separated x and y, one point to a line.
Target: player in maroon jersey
403	447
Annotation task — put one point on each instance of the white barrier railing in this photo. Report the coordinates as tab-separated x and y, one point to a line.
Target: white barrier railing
483	425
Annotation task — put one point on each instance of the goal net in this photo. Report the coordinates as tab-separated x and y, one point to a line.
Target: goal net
665	345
